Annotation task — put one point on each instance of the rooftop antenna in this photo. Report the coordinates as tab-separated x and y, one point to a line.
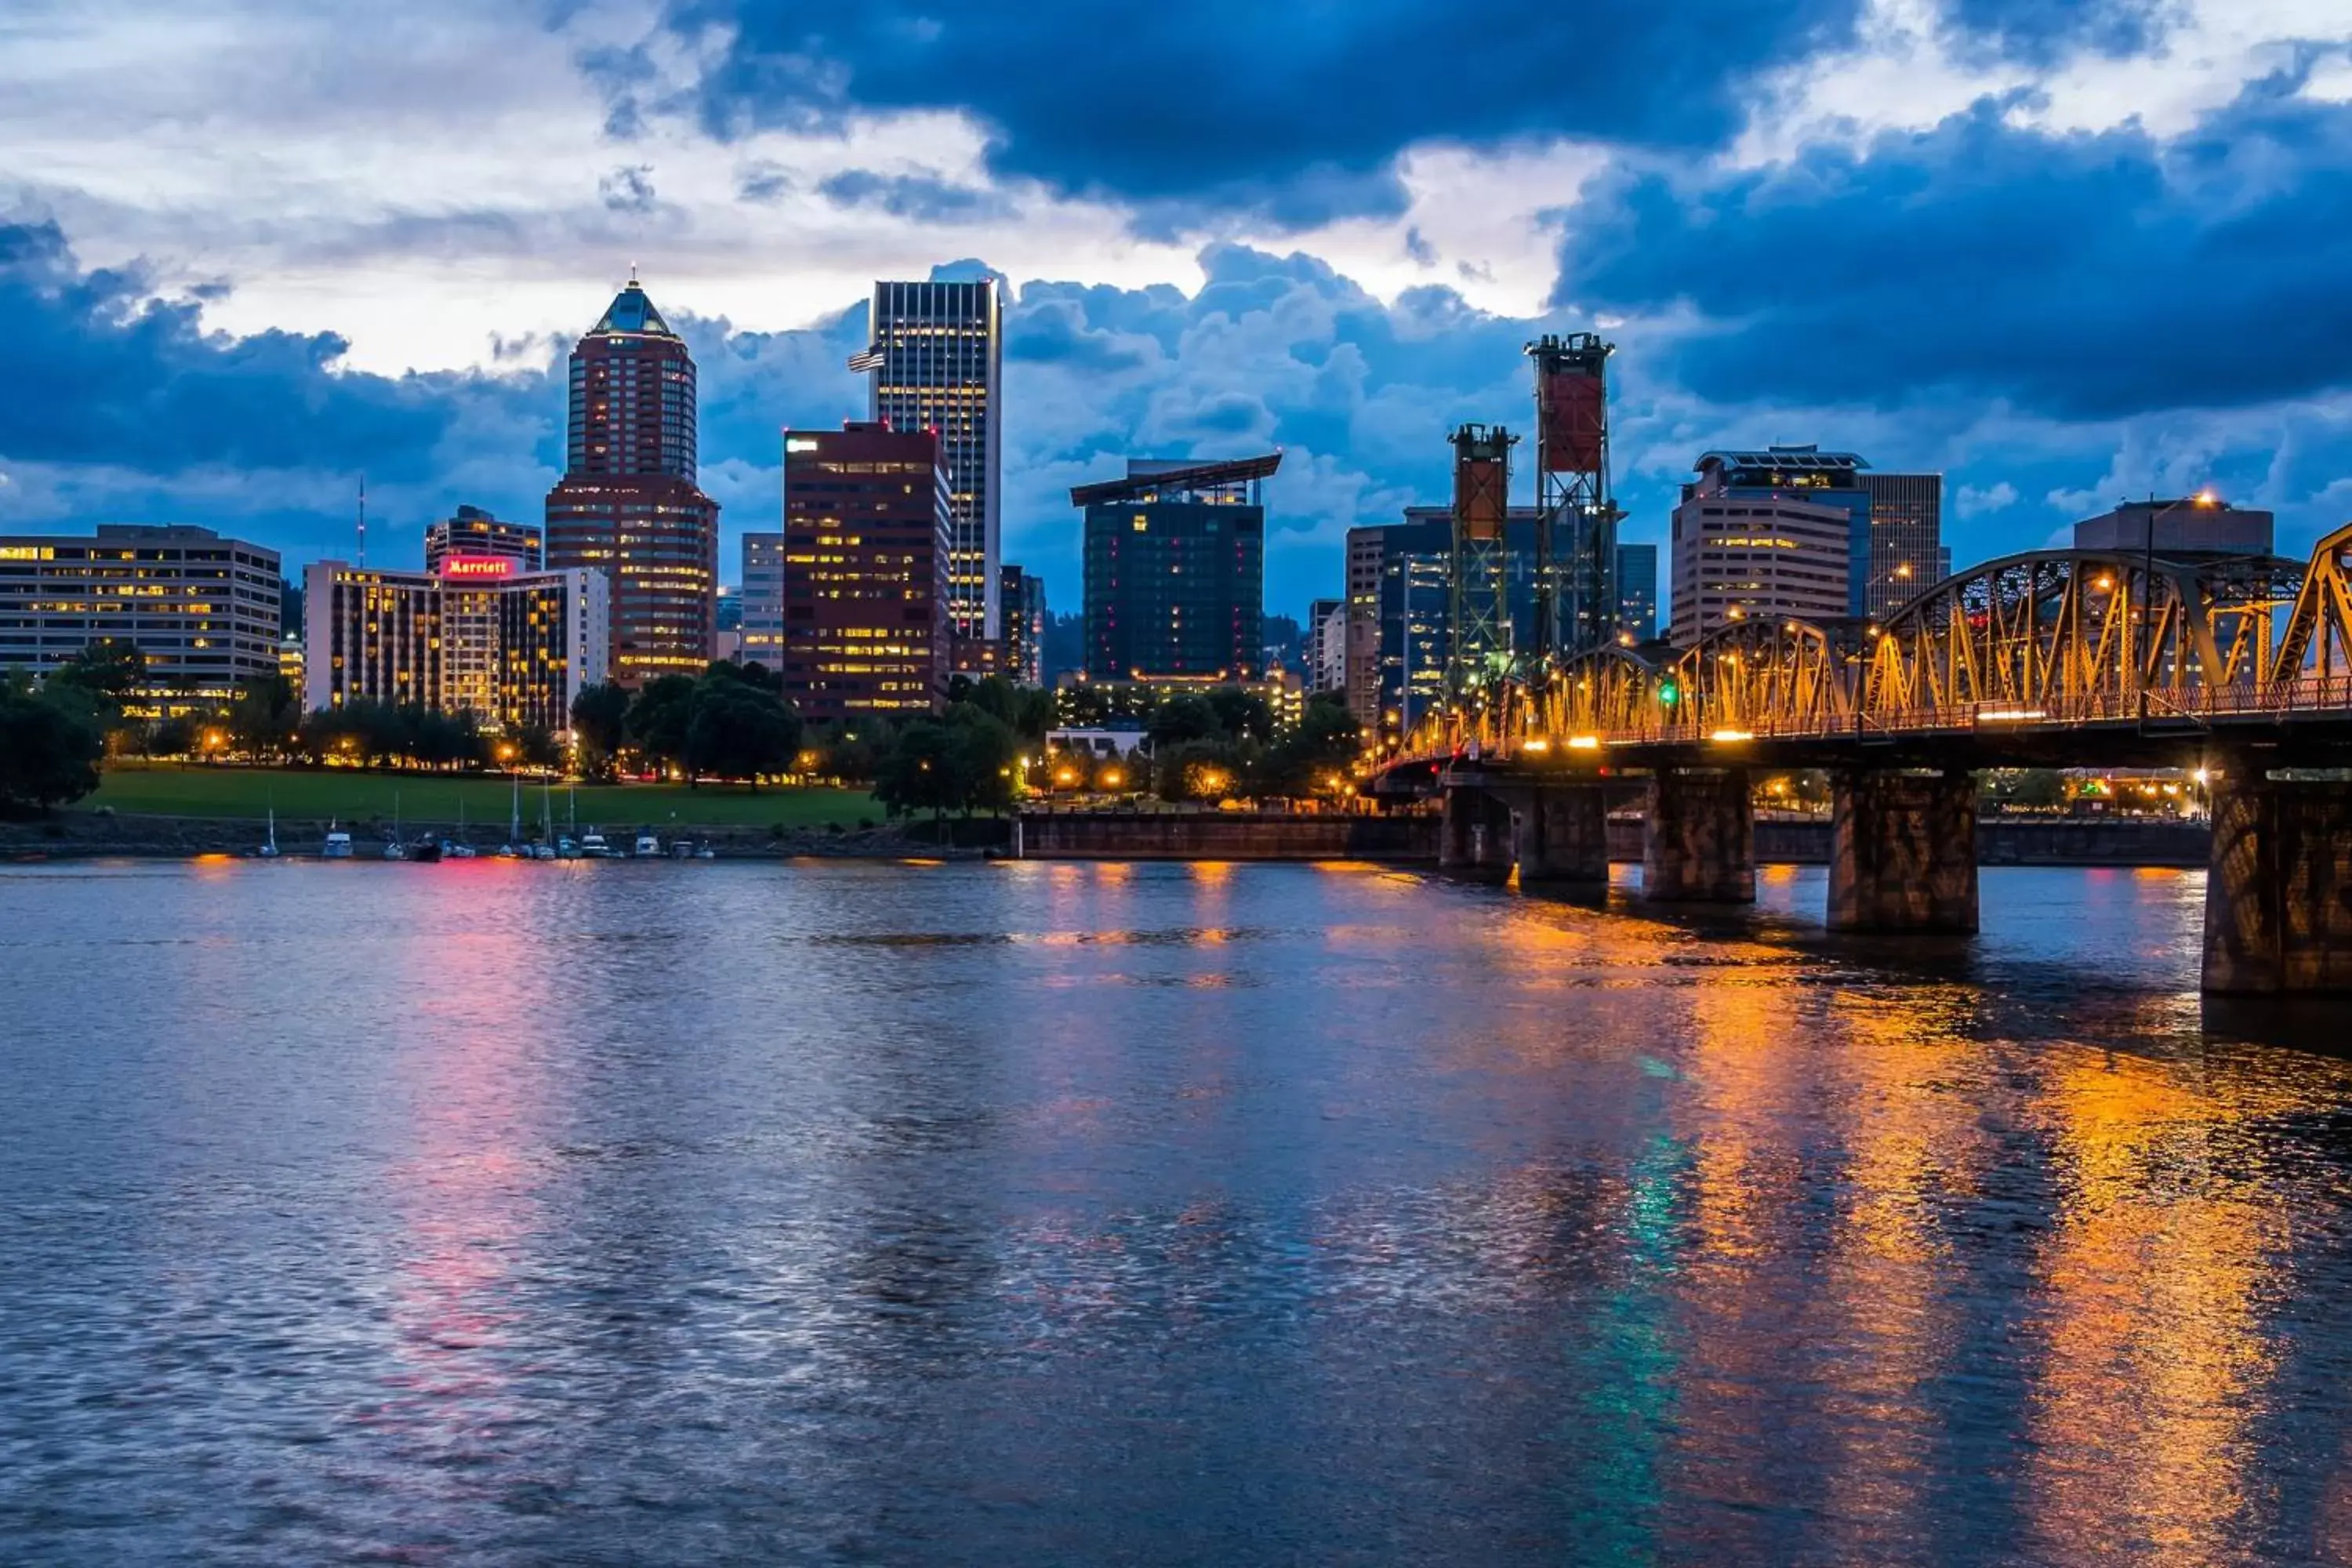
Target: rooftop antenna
633	272
362	520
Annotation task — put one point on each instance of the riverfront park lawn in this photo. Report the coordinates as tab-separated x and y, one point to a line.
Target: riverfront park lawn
351	795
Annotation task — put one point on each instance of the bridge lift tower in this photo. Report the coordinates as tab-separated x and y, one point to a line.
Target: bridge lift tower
1480	610
1576	596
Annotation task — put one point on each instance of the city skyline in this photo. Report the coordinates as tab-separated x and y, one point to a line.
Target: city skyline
1348	290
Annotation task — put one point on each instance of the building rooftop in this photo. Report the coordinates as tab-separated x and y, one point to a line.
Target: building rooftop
1784	461
1156	477
632	311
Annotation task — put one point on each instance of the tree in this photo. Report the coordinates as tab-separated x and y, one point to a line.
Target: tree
917	772
50	743
983	752
1181	719
1326	741
658	718
1029	712
737	729
1242	715
600	720
108	670
1197	770
264	714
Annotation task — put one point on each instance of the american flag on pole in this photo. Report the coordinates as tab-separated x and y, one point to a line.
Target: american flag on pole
868	358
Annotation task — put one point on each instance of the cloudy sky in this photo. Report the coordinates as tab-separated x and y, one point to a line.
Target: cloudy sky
2061	252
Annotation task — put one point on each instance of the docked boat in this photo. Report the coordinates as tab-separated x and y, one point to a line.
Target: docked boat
338	846
648	847
427	852
681	849
394	849
593	847
456	849
268	850
565	849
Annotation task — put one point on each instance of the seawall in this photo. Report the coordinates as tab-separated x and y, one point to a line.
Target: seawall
1412	839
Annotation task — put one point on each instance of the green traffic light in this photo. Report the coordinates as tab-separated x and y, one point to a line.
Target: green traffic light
1668	692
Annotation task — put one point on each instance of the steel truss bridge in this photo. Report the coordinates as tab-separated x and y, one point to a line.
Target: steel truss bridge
2053	658
2240	666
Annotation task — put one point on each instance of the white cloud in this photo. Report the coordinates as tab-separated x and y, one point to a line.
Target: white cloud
1974	501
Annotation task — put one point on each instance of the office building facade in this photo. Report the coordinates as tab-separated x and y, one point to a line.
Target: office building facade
1367	554
1020	606
1741	548
204	610
628	504
763	599
1175	570
937	363
1327	644
473	531
1907	541
869	528
477	637
1637	593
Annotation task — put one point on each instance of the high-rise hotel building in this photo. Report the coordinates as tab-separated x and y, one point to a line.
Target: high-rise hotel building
867	533
938	364
477	634
204	609
628	504
473	531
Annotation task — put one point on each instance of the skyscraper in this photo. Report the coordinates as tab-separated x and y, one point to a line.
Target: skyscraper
1637	592
1021	604
866	531
1176	569
938	364
1907	526
629	503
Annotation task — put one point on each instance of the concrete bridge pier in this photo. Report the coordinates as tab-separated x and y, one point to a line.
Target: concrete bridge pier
2278	899
1561	834
1698	844
1903	851
1475	837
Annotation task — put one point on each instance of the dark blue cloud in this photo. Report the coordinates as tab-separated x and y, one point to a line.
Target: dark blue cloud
925	198
2041	32
100	372
1295	112
2079	276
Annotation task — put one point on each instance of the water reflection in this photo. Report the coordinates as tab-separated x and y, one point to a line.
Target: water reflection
1150	1214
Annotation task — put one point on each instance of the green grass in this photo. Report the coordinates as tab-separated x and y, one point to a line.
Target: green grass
350	796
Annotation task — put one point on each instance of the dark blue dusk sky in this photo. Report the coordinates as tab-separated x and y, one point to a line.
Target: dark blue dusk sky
2059	252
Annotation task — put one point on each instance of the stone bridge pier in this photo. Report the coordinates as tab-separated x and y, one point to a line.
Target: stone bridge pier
2278	899
1903	851
1474	838
1552	830
1698	842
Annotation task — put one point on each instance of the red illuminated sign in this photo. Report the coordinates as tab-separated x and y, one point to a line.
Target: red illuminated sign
477	566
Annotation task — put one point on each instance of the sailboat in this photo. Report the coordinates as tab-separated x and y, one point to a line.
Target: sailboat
394	849
269	851
458	848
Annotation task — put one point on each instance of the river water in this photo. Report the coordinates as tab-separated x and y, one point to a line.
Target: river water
1030	1214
